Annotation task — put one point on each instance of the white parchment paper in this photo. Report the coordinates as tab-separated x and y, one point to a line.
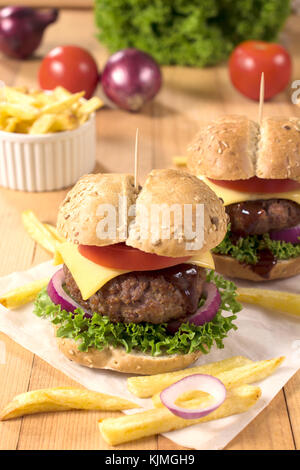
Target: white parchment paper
261	334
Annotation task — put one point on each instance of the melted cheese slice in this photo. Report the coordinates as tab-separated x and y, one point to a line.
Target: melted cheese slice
90	276
204	260
231	196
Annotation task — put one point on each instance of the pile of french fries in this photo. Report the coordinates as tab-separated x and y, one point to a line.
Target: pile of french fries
237	373
37	112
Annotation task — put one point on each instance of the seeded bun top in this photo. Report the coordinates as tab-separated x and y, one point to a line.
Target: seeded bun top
80	216
171	188
234	147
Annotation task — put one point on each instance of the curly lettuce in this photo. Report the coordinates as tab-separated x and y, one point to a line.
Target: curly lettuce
194	32
99	332
246	249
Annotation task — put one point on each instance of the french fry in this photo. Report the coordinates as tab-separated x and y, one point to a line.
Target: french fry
54	233
146	386
43	124
249	373
180	161
89	106
9	124
43	99
83	119
60	399
159	420
13	95
64	122
61	93
22	295
64	104
3	118
38	231
23	127
284	302
191	399
23	112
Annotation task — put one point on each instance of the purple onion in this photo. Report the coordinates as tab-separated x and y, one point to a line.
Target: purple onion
202	382
59	296
130	78
289	235
204	314
22	28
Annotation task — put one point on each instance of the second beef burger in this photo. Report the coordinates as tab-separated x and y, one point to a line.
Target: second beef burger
131	298
255	170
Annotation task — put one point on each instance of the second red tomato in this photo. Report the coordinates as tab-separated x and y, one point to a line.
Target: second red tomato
250	58
71	67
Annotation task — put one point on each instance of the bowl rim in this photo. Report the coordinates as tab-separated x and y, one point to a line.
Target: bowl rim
18	136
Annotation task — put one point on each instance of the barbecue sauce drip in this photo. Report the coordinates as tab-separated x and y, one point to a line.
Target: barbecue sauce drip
265	263
187	284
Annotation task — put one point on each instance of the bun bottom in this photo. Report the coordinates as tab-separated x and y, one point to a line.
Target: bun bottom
117	359
232	268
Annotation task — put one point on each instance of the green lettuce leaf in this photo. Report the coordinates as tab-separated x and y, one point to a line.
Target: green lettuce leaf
246	249
193	32
99	332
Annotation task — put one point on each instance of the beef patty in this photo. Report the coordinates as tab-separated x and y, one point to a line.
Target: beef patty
145	296
263	216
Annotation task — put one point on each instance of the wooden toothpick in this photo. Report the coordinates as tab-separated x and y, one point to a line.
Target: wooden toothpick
261	98
136	158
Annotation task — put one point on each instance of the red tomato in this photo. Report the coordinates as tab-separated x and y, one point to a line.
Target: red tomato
70	67
121	256
250	58
259	185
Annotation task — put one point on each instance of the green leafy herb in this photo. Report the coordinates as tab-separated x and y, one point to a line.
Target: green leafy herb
99	332
246	250
194	32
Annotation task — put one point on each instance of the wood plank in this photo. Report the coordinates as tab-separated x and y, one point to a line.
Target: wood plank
14	379
270	430
292	396
18	359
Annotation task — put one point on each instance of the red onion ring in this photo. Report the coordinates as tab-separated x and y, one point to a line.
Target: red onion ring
204	383
59	296
289	235
205	313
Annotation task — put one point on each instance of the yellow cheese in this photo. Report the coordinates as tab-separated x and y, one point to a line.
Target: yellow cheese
231	196
90	276
205	260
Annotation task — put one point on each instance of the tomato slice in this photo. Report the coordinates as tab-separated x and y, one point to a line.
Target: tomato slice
121	256
259	185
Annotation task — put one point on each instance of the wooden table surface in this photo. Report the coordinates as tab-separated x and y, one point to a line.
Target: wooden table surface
188	98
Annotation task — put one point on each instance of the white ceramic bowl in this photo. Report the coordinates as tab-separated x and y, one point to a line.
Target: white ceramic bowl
49	161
